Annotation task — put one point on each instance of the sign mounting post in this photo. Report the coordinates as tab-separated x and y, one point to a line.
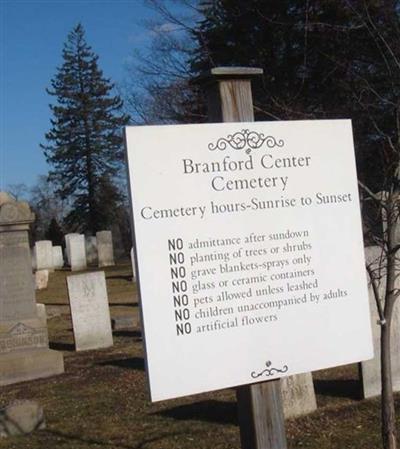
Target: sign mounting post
260	409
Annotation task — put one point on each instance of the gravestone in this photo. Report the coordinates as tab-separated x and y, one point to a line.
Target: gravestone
67	238
44	255
24	353
91	249
77	253
41	311
90	311
21	418
105	248
133	265
41	279
298	395
58	258
129	322
370	370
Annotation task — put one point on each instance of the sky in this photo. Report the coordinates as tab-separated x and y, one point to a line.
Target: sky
32	36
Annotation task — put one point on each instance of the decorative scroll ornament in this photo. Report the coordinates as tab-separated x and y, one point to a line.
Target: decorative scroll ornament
9	212
269	371
13	212
247	140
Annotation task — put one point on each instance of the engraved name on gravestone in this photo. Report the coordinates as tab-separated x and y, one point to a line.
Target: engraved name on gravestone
24	352
90	311
298	396
105	248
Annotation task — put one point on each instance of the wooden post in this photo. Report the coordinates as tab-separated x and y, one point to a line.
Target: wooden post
259	405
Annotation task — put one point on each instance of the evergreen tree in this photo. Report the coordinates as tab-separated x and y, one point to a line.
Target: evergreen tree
55	233
321	59
84	145
158	88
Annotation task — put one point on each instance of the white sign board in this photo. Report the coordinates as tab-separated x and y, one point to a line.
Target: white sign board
249	250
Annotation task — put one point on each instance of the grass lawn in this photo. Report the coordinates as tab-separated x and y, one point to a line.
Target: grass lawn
101	400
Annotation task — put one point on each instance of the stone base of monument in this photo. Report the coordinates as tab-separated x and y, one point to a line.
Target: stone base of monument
30	364
25	353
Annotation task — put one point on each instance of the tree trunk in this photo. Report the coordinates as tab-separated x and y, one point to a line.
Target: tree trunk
90	181
388	411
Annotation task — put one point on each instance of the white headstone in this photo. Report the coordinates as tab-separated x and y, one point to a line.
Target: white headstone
133	265
371	369
41	279
58	259
91	249
298	396
44	255
90	311
67	246
77	253
41	312
105	248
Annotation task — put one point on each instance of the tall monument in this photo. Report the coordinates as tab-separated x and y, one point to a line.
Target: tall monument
24	347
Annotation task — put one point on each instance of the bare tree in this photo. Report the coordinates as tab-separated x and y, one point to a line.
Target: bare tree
47	205
18	191
158	88
387	202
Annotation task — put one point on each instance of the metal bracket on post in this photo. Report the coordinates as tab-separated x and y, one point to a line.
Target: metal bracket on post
260	405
